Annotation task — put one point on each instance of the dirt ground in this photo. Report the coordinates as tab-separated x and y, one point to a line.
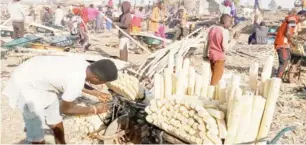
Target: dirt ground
290	109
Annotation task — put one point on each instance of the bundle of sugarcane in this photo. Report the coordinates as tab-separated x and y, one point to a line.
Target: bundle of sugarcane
242	103
185	81
187	119
159	60
89	124
127	86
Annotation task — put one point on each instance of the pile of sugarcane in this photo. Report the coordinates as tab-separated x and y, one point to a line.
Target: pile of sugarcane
186	106
156	62
127	86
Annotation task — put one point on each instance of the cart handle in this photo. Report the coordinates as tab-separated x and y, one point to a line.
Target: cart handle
281	133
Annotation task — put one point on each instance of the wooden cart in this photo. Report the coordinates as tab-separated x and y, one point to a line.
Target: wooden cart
126	123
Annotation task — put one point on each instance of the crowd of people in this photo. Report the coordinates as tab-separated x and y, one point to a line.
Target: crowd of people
36	84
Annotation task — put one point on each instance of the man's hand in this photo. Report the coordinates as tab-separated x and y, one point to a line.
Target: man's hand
102	107
103	97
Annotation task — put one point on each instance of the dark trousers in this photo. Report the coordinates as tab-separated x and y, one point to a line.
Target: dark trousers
284	56
252	39
18	28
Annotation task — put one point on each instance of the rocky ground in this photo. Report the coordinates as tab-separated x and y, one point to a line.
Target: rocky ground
290	109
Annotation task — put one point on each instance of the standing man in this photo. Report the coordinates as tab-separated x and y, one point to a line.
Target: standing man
77	27
109	14
47	17
284	39
92	15
17	15
125	20
180	19
36	84
59	16
100	20
218	38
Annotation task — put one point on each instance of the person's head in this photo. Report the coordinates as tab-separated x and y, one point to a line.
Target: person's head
58	6
100	8
227	3
226	20
109	8
125	7
262	24
181	9
101	72
302	16
47	9
160	4
141	9
81	5
91	6
76	11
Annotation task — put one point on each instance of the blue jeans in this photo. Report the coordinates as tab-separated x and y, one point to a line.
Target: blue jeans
109	25
34	121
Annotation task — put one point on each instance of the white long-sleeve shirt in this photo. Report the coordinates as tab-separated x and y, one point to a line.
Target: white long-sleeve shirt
59	16
16	12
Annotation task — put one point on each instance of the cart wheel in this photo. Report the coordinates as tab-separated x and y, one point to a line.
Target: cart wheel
120	131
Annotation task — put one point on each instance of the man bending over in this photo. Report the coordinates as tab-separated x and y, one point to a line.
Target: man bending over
35	86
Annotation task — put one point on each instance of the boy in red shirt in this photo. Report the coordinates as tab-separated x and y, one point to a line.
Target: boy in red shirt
218	38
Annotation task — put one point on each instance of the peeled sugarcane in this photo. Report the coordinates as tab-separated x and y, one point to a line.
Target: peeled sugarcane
168	82
215	139
253	75
178	65
206	79
162	86
198	85
269	109
127	86
257	113
180	85
210	92
245	120
216	113
234	118
171	61
222	128
186	65
191	81
235	82
266	73
221	91
267	69
157	86
174	83
187	119
266	87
